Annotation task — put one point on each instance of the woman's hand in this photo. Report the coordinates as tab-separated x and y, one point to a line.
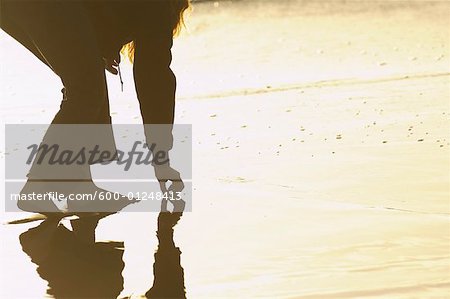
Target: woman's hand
111	64
166	173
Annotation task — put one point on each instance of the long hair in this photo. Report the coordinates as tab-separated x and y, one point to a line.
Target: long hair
177	10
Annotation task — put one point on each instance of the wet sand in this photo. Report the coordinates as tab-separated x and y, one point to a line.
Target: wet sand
321	156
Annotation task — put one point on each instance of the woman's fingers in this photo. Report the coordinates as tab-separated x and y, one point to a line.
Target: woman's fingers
162	185
177	186
112	70
110	66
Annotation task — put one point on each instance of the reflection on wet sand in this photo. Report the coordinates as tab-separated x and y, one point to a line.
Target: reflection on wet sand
77	268
168	273
73	268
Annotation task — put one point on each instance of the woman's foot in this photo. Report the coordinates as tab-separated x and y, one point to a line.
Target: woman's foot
32	191
80	198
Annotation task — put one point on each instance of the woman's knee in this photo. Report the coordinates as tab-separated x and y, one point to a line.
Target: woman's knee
85	86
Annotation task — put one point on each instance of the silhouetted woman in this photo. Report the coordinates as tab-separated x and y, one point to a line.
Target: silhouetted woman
78	40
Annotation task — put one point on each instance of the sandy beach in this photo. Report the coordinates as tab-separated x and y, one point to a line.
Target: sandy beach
321	153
